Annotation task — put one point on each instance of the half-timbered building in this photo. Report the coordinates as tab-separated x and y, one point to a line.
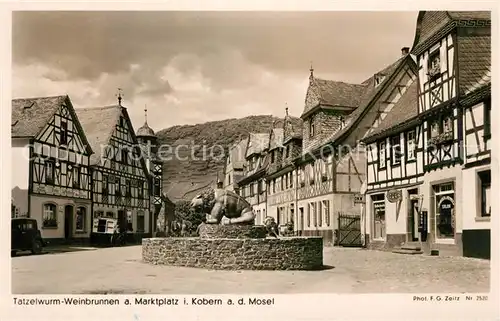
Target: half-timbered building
120	177
331	168
253	186
394	174
50	167
285	144
453	57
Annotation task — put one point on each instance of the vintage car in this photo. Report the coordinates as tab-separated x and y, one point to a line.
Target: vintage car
25	236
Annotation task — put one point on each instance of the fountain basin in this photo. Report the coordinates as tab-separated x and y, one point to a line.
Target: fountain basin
286	253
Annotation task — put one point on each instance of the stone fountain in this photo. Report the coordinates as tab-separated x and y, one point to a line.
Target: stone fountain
229	240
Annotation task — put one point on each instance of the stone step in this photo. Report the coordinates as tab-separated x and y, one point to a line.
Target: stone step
404	251
411	247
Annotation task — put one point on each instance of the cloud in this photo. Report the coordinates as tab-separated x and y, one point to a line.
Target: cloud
192	67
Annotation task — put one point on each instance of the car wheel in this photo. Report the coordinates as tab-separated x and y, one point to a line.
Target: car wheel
13	253
37	247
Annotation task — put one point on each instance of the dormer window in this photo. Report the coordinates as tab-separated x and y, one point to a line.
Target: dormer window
379	79
342	121
311	128
434	65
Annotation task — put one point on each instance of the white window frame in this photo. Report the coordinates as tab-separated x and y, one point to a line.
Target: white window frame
444	193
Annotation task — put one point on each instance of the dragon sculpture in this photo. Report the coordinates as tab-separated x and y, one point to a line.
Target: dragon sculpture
218	203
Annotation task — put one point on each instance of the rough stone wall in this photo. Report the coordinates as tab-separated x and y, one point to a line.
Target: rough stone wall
294	253
325	124
210	231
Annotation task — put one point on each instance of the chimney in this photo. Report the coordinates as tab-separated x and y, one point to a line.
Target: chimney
405	51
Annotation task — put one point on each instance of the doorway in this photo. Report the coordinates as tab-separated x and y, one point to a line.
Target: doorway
122	220
68	221
413	216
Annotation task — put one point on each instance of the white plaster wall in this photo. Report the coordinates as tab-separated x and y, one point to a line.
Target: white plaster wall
471	204
20	163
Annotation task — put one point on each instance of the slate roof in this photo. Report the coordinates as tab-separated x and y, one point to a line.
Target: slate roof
145	131
405	109
335	93
431	25
276	139
98	124
295	129
238	153
474	62
257	143
31	115
365	102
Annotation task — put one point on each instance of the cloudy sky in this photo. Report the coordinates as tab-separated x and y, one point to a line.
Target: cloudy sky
191	67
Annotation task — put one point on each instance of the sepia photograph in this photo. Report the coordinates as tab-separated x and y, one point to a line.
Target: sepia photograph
235	152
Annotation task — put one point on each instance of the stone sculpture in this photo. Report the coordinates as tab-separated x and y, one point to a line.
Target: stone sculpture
218	203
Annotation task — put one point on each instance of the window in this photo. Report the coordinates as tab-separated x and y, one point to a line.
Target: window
124	156
272	156
140	221
381	153
110	214
140	191
76	176
309	215
447	125
444	210
396	150
291	179
434	65
378	216
49	215
118	188
157	187
311	128
487	119
129	221
326	209
49	172
63	138
485	180
98	214
435	131
314	214
105	185
320	214
128	186
80	218
410	145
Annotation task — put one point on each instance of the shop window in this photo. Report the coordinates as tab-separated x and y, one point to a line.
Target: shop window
444	211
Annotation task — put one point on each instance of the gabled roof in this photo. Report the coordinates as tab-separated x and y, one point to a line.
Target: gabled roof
257	143
405	109
99	124
368	98
474	62
237	154
432	25
276	138
292	128
31	115
334	93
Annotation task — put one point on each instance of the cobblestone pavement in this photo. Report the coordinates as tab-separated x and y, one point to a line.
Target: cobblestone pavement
120	271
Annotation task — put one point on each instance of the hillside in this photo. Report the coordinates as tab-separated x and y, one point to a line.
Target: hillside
186	173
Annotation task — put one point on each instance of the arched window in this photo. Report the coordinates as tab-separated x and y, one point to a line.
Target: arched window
49	215
81	213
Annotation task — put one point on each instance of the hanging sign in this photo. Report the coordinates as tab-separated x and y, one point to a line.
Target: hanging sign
394	195
359	199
